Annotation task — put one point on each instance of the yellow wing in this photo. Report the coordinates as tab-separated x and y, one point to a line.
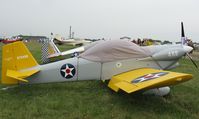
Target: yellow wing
146	78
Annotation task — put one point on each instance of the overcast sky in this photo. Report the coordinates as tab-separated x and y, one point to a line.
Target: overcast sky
157	19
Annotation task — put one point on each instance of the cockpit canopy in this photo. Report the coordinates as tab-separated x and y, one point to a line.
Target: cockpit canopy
113	50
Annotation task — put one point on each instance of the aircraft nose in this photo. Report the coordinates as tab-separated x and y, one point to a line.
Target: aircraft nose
187	49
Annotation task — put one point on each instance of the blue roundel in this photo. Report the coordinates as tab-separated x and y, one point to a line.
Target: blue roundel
67	71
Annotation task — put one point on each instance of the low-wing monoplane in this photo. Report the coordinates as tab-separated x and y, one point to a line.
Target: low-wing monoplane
50	50
11	40
127	66
71	41
53	50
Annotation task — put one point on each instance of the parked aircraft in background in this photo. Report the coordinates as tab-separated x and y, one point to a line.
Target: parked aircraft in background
11	40
53	51
1	39
72	41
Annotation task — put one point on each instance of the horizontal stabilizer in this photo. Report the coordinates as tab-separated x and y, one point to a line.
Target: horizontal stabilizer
146	78
20	75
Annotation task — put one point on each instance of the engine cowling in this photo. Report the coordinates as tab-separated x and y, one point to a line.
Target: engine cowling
169	54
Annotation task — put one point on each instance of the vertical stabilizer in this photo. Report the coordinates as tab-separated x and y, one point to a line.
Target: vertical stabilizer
15	57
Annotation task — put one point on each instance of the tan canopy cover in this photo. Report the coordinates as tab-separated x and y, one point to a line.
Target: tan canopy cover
113	50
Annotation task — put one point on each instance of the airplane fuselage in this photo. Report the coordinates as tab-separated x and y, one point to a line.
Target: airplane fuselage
73	69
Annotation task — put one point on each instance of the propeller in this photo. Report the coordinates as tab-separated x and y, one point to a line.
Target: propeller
192	60
184	45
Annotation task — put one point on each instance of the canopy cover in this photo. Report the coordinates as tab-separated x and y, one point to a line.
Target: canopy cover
113	50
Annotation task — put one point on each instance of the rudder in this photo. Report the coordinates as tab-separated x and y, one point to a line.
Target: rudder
16	57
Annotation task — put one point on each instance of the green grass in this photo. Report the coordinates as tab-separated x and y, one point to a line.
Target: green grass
94	100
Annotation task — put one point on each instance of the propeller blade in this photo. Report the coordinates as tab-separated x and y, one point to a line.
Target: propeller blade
182	30
192	60
183	38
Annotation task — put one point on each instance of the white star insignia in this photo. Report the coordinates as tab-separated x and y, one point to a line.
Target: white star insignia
67	71
149	76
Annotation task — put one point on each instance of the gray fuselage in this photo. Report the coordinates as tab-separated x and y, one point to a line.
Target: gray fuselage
73	69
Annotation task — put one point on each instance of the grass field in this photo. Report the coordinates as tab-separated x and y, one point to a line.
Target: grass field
94	100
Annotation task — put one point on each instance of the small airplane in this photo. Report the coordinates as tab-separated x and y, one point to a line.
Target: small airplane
71	41
127	66
50	50
1	39
53	50
11	40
